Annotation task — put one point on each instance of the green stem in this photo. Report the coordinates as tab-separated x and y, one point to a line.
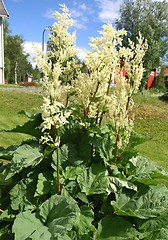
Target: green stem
58	171
94	95
67	99
116	148
57	139
107	93
109	84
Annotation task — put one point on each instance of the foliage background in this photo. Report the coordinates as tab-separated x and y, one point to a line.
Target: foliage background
151	19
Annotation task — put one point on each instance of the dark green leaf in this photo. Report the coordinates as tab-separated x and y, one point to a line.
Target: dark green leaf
6	153
31	127
71	188
85	149
160	234
106	147
5	232
7	215
44	183
71	173
83	223
3	180
93	180
155	228
142	170
25	156
144	204
28	226
59	213
111	228
68	156
18	196
117	183
82	197
136	139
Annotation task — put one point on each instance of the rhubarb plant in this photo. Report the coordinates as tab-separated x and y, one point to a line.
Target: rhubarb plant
79	176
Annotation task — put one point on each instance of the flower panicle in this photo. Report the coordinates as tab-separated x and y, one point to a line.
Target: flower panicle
104	90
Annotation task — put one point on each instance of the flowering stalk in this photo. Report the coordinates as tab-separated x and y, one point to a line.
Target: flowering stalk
65	85
93	97
116	149
58	165
107	93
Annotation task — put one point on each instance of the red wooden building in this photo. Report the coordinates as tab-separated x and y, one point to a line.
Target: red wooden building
154	72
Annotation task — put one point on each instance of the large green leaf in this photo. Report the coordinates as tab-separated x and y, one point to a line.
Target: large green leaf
84	148
24	156
63	237
155	228
68	156
59	213
117	183
136	139
93	180
83	224
161	234
31	127
56	218
142	170
111	228
8	215
44	183
28	226
106	147
3	175
5	232
6	153
18	196
71	172
146	203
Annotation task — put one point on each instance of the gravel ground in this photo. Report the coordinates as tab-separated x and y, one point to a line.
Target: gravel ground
27	89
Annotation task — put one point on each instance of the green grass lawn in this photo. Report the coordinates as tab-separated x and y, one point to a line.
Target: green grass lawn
10	86
151	119
11	104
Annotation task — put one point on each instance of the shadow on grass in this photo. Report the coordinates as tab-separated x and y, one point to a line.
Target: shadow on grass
164	97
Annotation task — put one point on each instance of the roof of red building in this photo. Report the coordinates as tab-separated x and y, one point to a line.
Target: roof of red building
166	70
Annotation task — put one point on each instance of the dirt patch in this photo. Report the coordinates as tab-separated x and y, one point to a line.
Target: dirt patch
150	111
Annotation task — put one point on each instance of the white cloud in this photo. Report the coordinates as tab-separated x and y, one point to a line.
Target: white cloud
109	9
49	13
80	14
75	13
79	25
81	53
29	47
83	7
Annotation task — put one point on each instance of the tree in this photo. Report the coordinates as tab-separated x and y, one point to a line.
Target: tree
151	19
6	59
37	74
16	62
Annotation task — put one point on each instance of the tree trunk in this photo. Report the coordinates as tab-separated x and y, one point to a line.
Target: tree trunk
15	73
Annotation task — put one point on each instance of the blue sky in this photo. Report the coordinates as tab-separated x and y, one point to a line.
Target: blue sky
28	18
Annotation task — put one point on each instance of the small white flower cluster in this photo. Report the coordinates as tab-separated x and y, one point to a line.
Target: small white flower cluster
93	89
55	65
